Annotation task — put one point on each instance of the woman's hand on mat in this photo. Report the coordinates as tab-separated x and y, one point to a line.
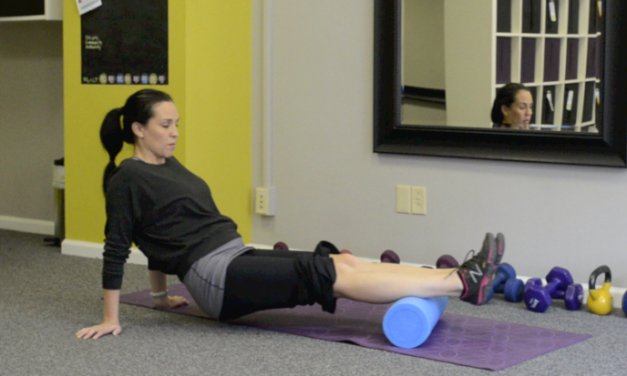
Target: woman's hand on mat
169	302
98	331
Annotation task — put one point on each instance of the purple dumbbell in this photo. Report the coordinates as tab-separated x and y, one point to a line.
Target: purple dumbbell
538	298
572	296
280	246
446	262
390	257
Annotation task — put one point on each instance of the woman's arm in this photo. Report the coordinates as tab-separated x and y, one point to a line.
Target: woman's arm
158	281
110	324
158	286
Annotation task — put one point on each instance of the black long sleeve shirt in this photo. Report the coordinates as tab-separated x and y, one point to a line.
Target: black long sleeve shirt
167	211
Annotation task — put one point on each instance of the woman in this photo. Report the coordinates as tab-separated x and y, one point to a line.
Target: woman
155	202
513	107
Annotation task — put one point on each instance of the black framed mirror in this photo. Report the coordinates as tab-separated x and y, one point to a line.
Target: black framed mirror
607	147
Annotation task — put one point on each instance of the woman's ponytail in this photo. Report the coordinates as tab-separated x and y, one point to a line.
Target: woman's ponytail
112	138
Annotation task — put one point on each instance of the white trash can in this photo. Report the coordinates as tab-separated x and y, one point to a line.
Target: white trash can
58	183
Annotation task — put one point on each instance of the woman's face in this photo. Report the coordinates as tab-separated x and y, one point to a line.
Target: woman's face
157	139
518	115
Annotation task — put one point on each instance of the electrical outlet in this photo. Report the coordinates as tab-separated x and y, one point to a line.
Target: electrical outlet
403	199
265	201
419	200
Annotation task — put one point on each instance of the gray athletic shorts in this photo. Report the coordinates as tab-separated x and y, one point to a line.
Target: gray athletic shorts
205	279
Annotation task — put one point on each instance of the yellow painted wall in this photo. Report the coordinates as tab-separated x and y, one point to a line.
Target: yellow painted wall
206	123
219	95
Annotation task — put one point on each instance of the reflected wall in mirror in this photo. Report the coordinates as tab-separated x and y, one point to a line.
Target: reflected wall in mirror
456	54
608	147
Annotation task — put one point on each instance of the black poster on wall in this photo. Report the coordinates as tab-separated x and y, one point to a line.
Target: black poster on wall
125	42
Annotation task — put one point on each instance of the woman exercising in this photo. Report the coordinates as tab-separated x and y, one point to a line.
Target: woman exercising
513	107
168	212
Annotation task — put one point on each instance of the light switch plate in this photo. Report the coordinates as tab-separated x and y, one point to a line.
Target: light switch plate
403	199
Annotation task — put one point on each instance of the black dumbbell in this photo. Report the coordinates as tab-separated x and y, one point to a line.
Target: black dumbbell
560	285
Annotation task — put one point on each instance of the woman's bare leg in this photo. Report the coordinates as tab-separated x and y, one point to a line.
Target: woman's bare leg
385	283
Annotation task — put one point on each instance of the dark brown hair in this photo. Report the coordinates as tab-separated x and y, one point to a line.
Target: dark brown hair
505	97
113	133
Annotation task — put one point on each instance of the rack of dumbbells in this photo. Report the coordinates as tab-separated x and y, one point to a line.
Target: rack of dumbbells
536	295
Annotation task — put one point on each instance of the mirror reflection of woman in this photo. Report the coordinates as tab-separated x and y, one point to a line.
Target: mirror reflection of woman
513	107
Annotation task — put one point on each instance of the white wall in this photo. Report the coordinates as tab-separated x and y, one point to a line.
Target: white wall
470	64
31	119
423	58
332	186
423	62
415	112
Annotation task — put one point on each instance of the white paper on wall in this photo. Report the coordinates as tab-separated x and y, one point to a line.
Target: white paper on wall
552	11
569	101
85	6
549	98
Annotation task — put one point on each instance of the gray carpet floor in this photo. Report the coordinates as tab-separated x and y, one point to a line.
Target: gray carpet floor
45	297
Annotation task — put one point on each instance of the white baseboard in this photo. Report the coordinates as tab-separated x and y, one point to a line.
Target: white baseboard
94	250
260	246
34	226
270	247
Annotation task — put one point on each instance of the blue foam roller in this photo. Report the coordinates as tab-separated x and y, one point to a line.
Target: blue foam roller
410	321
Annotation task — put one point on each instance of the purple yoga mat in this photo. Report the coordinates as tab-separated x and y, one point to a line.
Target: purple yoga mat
462	340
